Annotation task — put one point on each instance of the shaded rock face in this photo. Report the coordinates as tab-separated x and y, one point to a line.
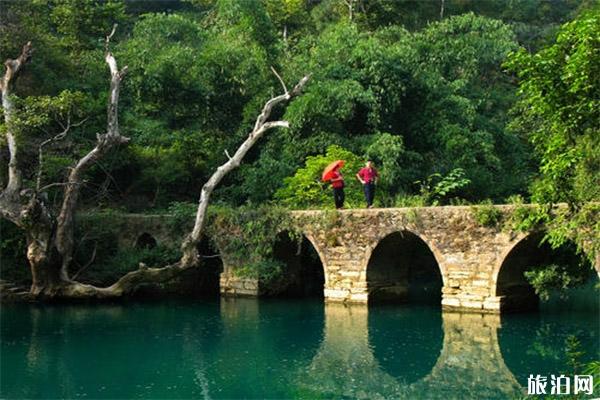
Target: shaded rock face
431	254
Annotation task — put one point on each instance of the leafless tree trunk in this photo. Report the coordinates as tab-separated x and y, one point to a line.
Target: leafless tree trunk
104	144
49	240
13	69
24	207
442	9
190	258
262	125
350	5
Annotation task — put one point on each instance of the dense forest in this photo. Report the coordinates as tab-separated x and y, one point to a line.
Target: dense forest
456	101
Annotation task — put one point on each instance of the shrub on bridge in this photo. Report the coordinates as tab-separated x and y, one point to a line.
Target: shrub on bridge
486	214
247	236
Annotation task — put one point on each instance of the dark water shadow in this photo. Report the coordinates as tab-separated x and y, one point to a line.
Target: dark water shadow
406	341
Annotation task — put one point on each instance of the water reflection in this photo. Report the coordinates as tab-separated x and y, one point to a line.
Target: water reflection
406	344
470	363
408	353
345	365
262	343
278	349
536	344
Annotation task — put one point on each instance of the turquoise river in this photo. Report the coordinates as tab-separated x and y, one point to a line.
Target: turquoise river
280	349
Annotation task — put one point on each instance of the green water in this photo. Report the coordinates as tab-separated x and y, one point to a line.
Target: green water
279	349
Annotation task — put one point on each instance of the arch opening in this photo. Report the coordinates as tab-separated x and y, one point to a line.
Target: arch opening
302	273
529	255
206	279
145	241
402	268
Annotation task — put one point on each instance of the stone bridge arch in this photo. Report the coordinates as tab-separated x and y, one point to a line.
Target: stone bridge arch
465	250
397	255
429	242
130	229
508	282
234	285
469	254
145	241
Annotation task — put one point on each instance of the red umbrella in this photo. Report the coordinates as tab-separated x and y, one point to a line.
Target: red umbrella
328	171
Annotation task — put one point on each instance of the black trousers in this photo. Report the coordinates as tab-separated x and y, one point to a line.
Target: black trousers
369	189
338	197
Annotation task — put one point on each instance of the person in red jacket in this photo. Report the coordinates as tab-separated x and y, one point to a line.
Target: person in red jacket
337	183
368	176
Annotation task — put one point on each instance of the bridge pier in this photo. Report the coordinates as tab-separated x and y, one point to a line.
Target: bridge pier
231	285
345	274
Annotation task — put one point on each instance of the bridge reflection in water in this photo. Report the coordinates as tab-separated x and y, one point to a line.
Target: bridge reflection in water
451	356
249	348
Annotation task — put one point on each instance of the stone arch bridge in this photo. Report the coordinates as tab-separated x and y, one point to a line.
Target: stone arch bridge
477	266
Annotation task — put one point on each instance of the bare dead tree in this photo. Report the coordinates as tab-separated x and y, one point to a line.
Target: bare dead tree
104	144
13	69
50	242
261	126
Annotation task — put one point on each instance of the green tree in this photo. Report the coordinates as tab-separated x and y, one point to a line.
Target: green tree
559	110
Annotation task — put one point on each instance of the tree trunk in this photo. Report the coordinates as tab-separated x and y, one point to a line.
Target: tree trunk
190	254
104	144
13	69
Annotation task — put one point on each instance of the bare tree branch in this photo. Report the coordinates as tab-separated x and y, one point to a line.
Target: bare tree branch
51	185
56	138
104	143
92	258
107	41
13	68
190	253
280	80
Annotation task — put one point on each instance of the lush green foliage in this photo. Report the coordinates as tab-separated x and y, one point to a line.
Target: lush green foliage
487	215
420	99
559	109
247	235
